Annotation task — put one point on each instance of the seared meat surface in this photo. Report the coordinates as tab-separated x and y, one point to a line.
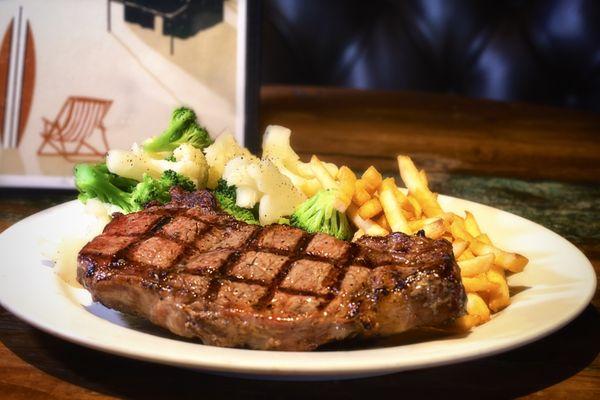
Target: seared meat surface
199	273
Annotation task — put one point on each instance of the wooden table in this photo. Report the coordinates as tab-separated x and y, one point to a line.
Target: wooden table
479	150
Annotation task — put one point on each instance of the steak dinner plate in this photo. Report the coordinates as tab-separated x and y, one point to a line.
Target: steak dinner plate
553	289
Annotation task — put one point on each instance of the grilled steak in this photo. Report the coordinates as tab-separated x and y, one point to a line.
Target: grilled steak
196	271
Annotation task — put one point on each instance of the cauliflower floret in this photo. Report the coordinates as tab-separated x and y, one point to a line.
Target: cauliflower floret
236	174
260	181
276	147
280	197
247	197
134	163
220	153
236	171
189	162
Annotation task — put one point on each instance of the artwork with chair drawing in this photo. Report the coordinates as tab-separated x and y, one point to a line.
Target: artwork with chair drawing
103	74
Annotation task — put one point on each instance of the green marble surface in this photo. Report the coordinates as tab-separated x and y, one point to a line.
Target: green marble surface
571	210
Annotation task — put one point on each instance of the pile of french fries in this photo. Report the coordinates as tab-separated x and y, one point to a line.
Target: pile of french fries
377	206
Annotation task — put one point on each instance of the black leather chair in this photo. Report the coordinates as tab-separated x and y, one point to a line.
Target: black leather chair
544	51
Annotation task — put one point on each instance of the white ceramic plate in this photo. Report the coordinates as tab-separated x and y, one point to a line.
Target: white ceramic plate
555	287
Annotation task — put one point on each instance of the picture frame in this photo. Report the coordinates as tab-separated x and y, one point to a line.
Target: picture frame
80	77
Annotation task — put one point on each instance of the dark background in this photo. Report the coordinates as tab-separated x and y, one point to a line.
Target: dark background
538	51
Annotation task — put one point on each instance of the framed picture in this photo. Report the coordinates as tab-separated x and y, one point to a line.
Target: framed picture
79	77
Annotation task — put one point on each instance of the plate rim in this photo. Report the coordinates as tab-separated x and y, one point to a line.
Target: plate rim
344	371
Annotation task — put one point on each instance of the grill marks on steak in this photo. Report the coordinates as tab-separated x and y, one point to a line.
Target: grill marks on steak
200	273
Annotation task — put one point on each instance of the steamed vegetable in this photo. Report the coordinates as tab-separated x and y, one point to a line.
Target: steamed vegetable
224	149
133	164
279	196
237	172
119	181
318	214
226	197
261	182
150	189
255	180
96	182
183	129
277	149
254	190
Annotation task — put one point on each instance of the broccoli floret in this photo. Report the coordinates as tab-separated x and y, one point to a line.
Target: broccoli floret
121	182
172	178
94	181
226	196
183	128
318	214
150	189
195	135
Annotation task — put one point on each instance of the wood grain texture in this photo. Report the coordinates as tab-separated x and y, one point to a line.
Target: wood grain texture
442	132
564	365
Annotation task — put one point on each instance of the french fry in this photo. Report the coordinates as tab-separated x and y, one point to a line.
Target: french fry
458	231
321	173
476	265
368	226
407	214
332	169
346	181
476	306
434	229
477	313
372	179
466	255
402	199
471	224
484	238
459	246
360	196
447	237
499	298
447	217
373	229
460	221
511	261
423	177
417	210
358	234
392	211
370	209
478	283
416	224
388	184
412	179
465	323
383	222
